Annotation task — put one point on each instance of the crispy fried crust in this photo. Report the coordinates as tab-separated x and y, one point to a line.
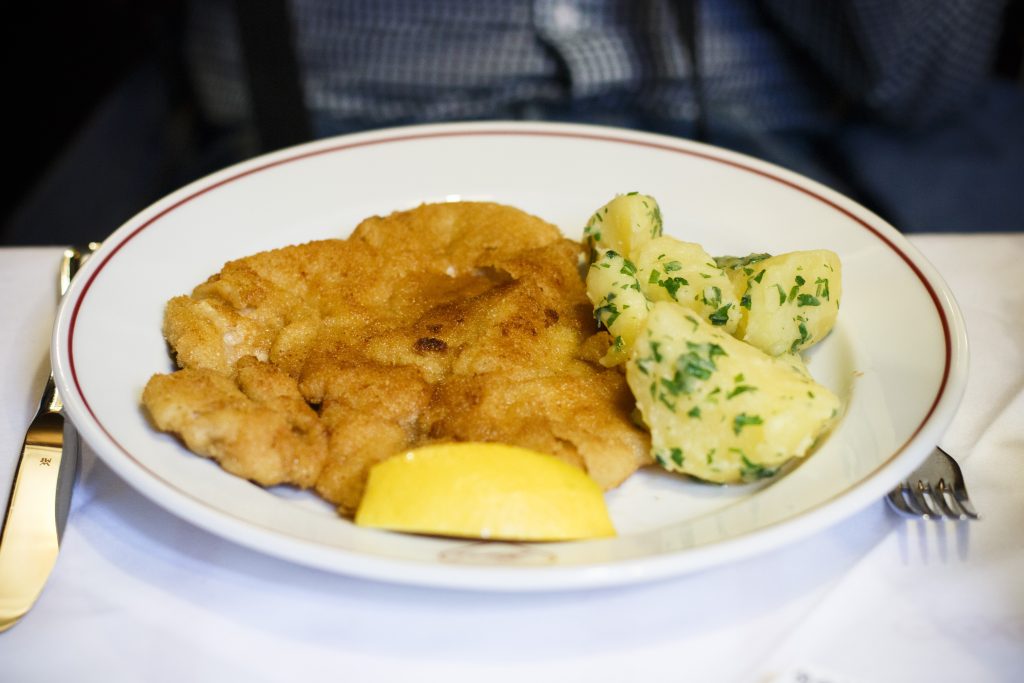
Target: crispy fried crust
256	425
456	321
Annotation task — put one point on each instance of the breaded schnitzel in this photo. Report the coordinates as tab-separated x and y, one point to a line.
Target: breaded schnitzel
450	322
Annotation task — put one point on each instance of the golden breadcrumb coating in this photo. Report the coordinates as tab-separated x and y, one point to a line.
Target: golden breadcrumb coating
256	425
459	321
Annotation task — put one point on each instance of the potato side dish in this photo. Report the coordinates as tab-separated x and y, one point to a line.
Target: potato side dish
711	346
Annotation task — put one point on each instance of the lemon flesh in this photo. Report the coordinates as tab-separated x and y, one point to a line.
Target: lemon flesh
484	490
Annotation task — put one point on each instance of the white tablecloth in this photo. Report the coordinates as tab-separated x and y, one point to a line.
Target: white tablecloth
138	594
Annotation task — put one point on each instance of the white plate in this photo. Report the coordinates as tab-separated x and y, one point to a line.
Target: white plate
897	356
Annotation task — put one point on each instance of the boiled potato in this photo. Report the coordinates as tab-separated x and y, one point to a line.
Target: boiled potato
619	304
718	408
672	270
624	224
789	301
796	363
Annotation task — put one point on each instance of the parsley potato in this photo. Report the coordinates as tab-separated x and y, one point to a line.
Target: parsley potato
624	224
672	270
788	302
720	409
619	304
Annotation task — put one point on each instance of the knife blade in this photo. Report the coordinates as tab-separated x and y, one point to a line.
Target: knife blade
41	493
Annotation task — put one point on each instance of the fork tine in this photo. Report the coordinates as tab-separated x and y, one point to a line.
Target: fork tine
960	496
907	497
917	496
897	500
958	489
920	495
946	503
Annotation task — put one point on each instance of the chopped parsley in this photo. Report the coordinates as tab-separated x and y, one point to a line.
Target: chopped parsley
721	316
593	230
608	312
804	335
782	295
821	288
751	471
696	365
677	456
743	420
656	223
702	356
737	262
647	365
669	403
672	285
740	389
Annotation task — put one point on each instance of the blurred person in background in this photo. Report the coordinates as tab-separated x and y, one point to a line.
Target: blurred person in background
913	107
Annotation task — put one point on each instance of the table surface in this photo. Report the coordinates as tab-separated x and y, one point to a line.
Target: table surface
140	594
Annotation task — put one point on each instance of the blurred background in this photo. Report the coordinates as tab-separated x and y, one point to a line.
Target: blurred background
915	108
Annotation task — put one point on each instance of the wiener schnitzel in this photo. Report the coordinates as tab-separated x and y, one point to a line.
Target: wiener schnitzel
459	321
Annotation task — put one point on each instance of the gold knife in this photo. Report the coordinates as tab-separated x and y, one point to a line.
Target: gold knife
41	494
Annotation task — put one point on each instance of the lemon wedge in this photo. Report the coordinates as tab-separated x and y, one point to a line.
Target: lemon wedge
484	490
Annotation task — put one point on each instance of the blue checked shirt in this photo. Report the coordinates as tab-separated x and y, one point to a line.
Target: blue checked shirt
774	65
